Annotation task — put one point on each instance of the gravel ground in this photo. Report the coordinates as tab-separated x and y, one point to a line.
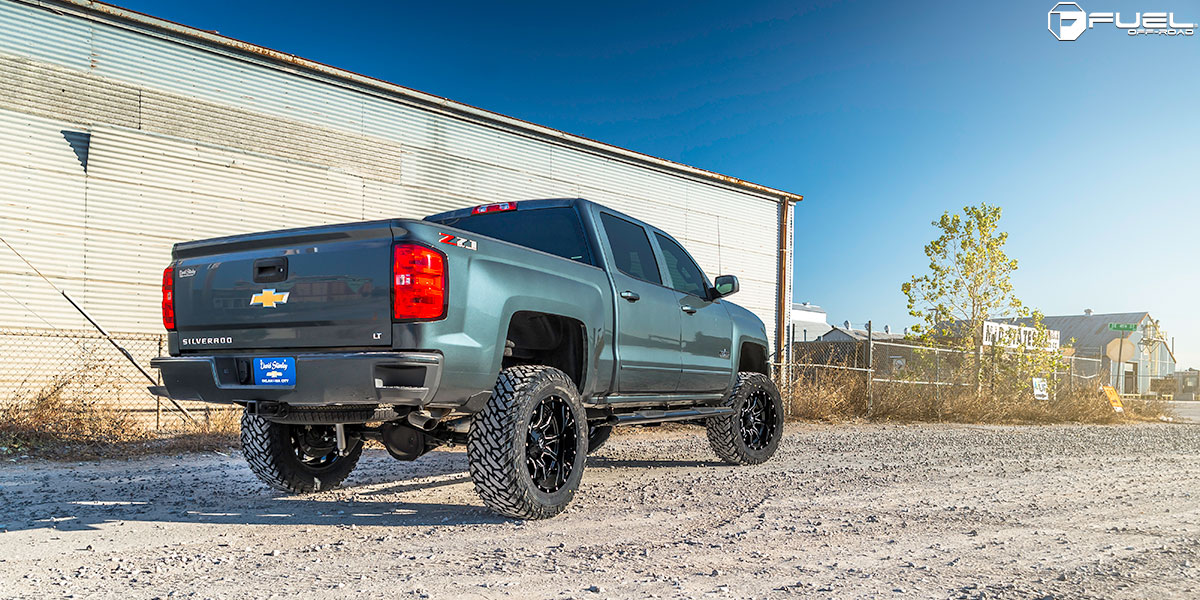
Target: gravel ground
886	511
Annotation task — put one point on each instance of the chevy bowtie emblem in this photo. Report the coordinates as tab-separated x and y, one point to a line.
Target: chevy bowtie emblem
268	298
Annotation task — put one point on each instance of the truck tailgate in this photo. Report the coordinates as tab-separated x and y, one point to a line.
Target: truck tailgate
317	287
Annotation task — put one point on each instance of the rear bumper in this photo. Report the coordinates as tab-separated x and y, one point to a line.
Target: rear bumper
397	378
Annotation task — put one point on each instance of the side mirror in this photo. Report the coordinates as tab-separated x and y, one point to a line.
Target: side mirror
724	286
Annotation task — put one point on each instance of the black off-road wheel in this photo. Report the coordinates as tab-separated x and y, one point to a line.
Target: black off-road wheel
751	434
597	435
528	446
300	459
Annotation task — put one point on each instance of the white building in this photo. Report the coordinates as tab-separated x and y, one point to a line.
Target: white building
121	134
809	322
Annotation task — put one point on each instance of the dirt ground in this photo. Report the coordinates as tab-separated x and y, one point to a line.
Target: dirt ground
883	511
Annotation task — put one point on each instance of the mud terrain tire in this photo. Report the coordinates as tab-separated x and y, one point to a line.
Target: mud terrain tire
528	446
300	459
751	434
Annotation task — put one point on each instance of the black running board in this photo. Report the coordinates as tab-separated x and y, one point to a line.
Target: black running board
662	416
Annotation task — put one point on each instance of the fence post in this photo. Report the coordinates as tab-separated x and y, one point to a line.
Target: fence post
870	370
158	399
937	382
1071	375
992	383
979	371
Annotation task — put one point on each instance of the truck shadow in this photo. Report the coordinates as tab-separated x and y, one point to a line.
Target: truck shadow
281	511
204	489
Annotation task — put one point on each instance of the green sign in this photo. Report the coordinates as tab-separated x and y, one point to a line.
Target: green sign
1122	326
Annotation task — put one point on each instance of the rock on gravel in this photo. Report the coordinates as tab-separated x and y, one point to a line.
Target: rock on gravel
883	511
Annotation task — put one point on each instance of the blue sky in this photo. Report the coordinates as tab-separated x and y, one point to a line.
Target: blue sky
882	114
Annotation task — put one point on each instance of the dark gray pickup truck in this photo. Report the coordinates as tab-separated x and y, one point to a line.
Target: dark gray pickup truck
524	330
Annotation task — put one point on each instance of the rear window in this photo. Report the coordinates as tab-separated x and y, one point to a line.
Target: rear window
555	231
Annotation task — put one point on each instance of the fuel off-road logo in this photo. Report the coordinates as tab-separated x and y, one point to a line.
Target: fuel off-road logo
1067	21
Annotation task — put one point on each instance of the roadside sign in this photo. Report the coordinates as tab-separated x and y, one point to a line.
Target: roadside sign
1122	326
1114	398
1119	350
1041	390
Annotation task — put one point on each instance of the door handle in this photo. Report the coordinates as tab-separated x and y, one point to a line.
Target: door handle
630	296
687	309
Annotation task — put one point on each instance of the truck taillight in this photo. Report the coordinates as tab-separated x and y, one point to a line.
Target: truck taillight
168	298
497	207
418	282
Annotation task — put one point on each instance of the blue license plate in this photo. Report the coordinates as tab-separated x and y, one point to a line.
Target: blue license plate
275	371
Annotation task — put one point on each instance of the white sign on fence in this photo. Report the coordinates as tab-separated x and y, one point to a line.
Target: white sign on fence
1016	336
1041	390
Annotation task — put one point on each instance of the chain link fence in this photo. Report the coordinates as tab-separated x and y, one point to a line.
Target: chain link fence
81	366
906	364
856	378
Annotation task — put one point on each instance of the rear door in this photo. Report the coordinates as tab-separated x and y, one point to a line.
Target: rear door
705	328
647	313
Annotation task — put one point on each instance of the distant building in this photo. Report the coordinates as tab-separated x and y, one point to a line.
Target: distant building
1149	365
1187	385
1089	335
808	322
849	334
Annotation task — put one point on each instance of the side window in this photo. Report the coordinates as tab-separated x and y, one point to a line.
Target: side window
631	249
686	277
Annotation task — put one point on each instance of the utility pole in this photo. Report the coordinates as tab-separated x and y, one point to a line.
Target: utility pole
1121	366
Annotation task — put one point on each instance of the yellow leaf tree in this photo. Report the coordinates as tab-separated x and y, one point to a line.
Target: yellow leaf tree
969	282
969	279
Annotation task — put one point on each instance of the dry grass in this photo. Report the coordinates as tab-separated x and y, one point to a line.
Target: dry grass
56	423
215	430
826	395
839	395
63	422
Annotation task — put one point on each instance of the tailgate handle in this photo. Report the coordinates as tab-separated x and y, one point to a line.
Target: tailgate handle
269	270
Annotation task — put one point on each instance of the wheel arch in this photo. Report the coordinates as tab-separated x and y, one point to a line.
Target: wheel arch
543	338
752	357
750	343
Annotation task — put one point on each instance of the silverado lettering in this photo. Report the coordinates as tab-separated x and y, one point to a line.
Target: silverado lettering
207	340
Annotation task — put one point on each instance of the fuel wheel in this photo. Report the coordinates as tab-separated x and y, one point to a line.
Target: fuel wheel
528	446
550	444
758	419
315	446
751	434
296	458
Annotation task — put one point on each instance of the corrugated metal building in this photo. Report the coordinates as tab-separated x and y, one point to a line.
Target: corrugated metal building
809	322
121	134
1089	335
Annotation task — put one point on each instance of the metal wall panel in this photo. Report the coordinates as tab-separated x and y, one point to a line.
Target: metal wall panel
188	191
145	60
193	141
60	93
42	201
27	31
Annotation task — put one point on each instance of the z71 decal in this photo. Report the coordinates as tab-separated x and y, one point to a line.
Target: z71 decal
454	240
